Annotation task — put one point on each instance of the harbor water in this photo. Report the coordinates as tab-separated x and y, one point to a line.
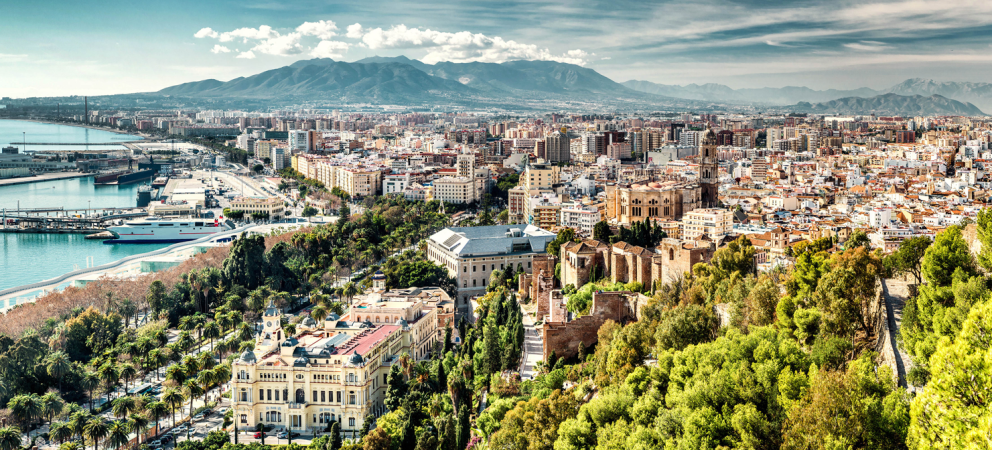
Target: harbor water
30	258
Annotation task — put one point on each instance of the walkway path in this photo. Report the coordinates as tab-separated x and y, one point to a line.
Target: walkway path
533	349
896	292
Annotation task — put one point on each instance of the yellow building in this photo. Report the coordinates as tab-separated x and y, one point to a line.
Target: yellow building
271	206
335	371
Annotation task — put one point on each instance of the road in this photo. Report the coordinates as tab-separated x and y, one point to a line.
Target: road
896	292
533	349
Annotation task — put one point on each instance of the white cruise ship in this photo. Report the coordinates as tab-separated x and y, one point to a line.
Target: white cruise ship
153	230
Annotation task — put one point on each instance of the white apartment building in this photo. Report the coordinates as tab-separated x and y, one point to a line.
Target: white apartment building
299	141
579	217
715	223
456	190
879	217
396	183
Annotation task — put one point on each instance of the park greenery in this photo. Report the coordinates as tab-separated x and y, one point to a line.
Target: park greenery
720	357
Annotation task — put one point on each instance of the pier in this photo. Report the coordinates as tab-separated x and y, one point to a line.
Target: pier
60	220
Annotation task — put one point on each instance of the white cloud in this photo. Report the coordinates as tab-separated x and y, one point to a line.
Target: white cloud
11	57
262	32
205	32
220	49
285	45
355	31
462	46
330	49
867	46
324	29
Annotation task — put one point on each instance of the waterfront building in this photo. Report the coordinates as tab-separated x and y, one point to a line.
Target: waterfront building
272	206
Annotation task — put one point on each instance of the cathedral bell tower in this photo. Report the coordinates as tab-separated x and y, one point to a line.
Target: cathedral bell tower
709	177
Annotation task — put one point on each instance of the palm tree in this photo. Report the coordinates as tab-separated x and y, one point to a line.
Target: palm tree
205	360
139	425
124	406
175	374
350	291
156	411
10	438
89	382
185	341
26	408
96	429
58	365
155	359
211	331
173	398
245	331
77	422
59	432
109	375
117	434
51	404
192	390
127	372
319	313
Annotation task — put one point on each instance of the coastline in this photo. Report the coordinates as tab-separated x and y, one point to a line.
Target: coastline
54	176
140	136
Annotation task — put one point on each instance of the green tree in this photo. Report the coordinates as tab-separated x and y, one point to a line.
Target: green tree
334	443
601	231
564	236
117	434
908	258
858	238
10	438
859	408
955	410
96	429
685	325
948	253
377	440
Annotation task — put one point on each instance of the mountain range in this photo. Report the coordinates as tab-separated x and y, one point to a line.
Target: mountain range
401	80
891	105
538	84
979	94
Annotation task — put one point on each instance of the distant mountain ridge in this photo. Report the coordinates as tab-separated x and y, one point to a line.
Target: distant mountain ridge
979	94
401	80
891	104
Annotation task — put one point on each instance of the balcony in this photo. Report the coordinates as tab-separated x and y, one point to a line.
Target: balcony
294	405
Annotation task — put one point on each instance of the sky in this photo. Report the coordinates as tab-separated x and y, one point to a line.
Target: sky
85	47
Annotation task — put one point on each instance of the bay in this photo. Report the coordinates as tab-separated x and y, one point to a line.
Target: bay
30	258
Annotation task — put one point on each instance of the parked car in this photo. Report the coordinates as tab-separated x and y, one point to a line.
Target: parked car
155	444
259	435
282	435
166	439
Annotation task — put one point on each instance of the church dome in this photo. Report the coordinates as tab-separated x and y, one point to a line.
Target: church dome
356	359
248	357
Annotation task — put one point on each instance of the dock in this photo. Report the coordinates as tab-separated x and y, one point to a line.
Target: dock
50	176
60	221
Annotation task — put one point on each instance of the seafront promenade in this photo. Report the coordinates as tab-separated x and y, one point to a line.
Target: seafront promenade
133	265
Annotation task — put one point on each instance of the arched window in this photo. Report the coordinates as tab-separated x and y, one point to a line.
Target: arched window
671	254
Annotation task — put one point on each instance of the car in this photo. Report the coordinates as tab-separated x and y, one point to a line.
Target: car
259	435
282	435
198	417
155	444
166	439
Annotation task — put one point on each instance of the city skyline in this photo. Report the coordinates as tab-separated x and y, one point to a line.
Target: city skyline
116	48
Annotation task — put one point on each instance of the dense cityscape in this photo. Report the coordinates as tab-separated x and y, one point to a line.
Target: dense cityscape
469	263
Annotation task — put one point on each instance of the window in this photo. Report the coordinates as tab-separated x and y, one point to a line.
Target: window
277	395
352	399
465	269
322	396
339	396
315	396
244	395
269	394
351	421
473	268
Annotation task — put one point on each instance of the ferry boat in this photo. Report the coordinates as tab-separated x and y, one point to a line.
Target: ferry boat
154	230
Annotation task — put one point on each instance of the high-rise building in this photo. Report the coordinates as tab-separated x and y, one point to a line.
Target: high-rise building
557	148
709	177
